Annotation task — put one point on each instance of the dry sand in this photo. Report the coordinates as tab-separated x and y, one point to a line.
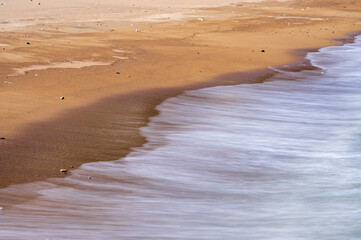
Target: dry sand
112	76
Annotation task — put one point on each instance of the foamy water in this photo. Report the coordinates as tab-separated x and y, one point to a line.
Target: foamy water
278	160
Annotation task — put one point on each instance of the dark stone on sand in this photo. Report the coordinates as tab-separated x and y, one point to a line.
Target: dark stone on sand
117	72
263	51
27	43
2	138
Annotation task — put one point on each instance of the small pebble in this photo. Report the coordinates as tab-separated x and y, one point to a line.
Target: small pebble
89	177
27	43
62	98
1	208
117	72
2	138
263	51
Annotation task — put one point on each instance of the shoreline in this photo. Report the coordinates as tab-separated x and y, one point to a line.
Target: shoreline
214	154
88	140
90	132
52	131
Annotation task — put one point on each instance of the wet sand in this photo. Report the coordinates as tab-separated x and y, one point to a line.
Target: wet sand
105	105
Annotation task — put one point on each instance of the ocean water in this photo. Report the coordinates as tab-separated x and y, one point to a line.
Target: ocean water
279	160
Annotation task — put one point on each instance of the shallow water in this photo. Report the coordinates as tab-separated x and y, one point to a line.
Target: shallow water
277	160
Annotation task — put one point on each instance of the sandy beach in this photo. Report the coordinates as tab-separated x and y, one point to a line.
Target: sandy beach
114	62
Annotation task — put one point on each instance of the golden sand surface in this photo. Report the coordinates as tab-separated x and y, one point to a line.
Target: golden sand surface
114	61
